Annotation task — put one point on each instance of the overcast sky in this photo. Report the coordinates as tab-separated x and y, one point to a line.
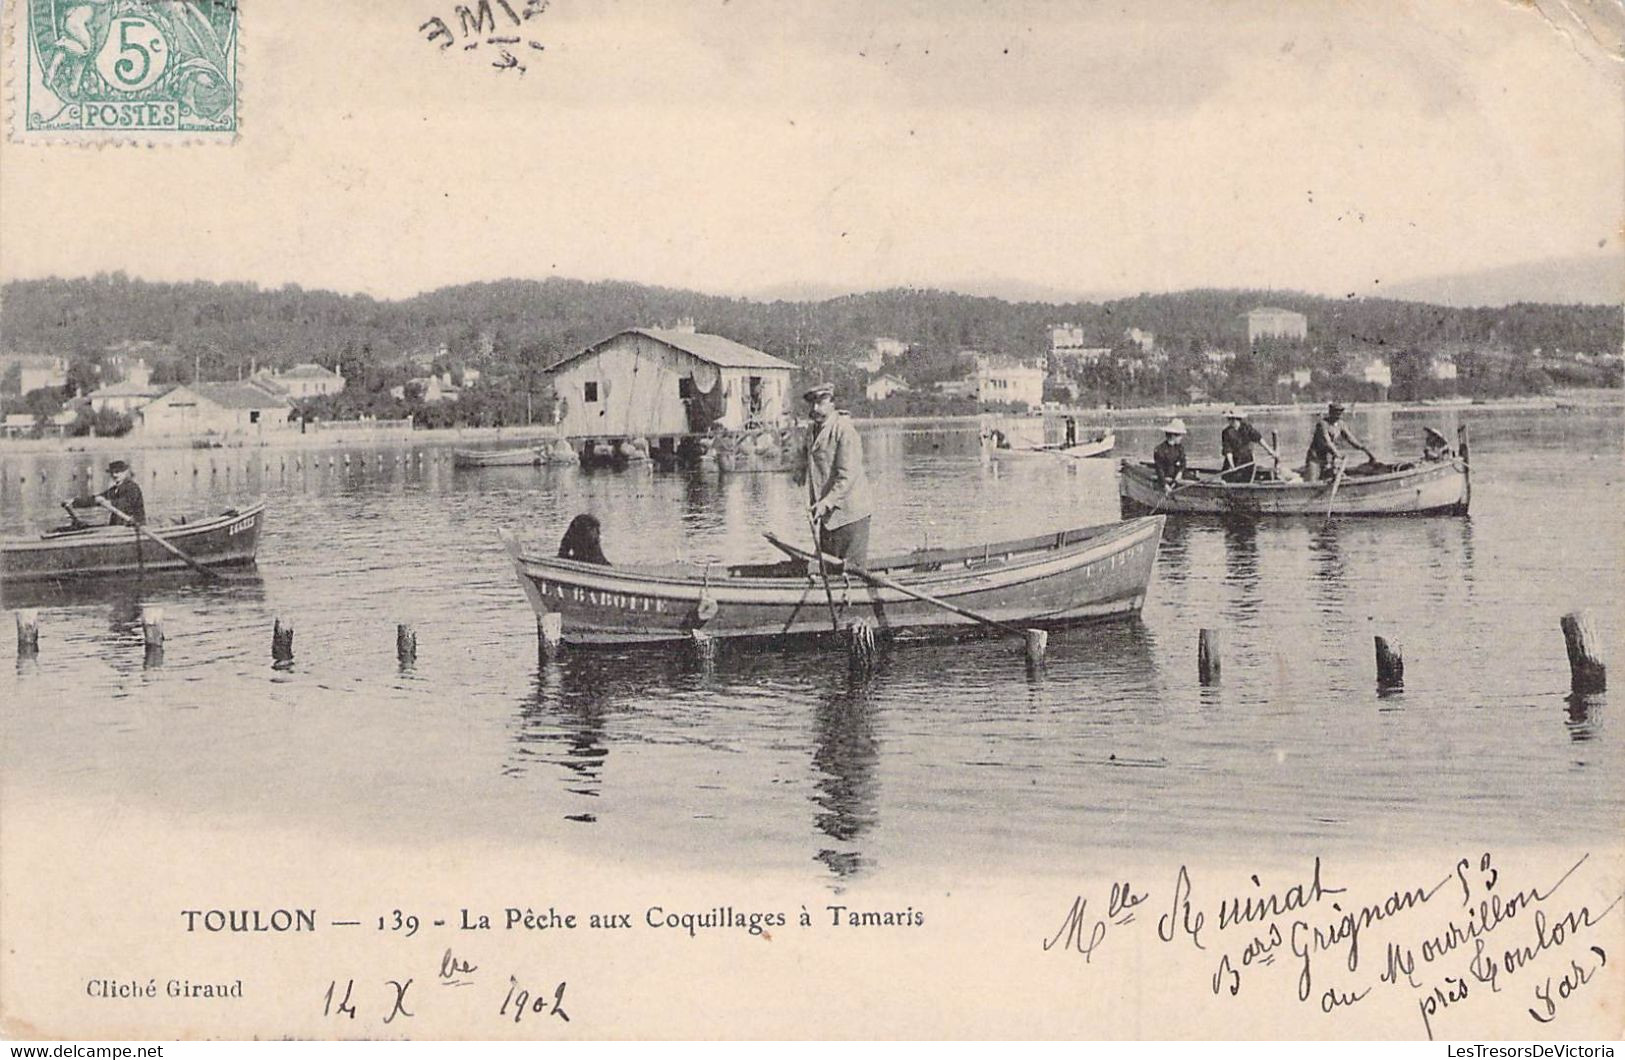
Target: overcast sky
732	147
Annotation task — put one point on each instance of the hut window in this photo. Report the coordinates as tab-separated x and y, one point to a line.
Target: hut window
590	391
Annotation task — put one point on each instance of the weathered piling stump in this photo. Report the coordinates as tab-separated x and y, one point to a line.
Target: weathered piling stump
1587	672
27	634
1390	665
152	634
704	645
1037	645
1209	657
861	652
282	643
550	632
406	645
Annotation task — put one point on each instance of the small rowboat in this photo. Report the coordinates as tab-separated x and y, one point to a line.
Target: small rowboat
1055	580
1092	447
216	541
1426	488
526	457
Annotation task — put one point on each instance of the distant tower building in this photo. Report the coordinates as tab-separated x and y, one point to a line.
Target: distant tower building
1266	322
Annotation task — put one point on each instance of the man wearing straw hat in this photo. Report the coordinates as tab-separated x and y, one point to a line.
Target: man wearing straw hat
1169	457
123	495
1236	443
836	485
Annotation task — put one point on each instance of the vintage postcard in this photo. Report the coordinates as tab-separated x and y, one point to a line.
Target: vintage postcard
572	519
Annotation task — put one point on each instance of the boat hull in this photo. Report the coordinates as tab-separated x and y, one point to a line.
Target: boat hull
1424	489
1062	579
1081	451
217	541
495	457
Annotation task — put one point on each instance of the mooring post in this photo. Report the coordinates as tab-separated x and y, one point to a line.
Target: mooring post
550	632
1037	645
1390	665
1587	671
152	633
27	634
705	646
406	644
282	642
1209	661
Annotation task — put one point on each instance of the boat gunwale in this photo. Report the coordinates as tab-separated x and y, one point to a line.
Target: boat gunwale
1115	535
1145	473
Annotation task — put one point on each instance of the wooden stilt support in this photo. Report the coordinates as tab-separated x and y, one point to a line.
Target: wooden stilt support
1390	665
1209	659
282	643
27	634
550	632
1587	672
152	634
705	646
406	645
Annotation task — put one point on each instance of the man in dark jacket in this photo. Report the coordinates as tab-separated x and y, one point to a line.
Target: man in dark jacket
1236	442
123	494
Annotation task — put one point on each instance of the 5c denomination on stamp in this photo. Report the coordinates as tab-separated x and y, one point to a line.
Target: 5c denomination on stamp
125	71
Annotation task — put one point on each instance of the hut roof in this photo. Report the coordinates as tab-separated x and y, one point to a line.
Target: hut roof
713	349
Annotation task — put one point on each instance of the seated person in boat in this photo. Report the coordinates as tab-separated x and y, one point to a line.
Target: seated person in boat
1169	457
1435	446
836	485
583	541
123	495
1324	455
1236	442
995	438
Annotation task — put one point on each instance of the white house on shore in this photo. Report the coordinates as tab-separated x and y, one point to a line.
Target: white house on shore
669	382
1270	322
303	380
216	408
1009	381
882	387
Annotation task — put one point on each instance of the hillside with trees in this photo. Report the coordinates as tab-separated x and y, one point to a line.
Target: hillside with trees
510	330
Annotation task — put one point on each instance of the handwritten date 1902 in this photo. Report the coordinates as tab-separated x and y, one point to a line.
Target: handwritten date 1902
521	1001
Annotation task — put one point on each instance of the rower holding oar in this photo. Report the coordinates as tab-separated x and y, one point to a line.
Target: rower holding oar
1169	456
1236	443
124	495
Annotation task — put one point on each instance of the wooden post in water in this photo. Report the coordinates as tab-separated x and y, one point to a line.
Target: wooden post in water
1587	672
152	634
1390	666
27	634
1208	657
705	646
406	645
1037	645
281	643
550	632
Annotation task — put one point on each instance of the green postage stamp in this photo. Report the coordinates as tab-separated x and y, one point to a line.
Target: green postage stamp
145	71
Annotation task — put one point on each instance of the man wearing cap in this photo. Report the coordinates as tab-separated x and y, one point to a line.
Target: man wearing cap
1169	457
1324	456
123	494
1435	446
836	486
1236	443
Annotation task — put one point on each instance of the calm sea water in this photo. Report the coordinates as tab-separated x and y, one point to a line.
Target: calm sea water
781	761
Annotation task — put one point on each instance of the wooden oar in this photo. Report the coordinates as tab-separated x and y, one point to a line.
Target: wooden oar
139	529
1337	480
889	583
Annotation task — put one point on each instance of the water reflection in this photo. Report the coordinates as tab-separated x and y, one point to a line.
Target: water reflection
1241	567
846	755
1584	717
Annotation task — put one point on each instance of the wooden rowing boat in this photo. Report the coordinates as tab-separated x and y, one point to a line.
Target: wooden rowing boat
1055	580
1425	488
529	456
1084	450
231	537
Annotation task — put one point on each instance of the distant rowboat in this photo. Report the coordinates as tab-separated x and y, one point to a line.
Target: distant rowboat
1091	447
231	537
1054	580
526	457
1442	487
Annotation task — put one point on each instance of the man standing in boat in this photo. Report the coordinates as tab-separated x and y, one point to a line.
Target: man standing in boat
1169	457
1236	443
1330	431
123	495
836	485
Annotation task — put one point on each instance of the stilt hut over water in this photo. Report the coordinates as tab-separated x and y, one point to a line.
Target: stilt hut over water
668	385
